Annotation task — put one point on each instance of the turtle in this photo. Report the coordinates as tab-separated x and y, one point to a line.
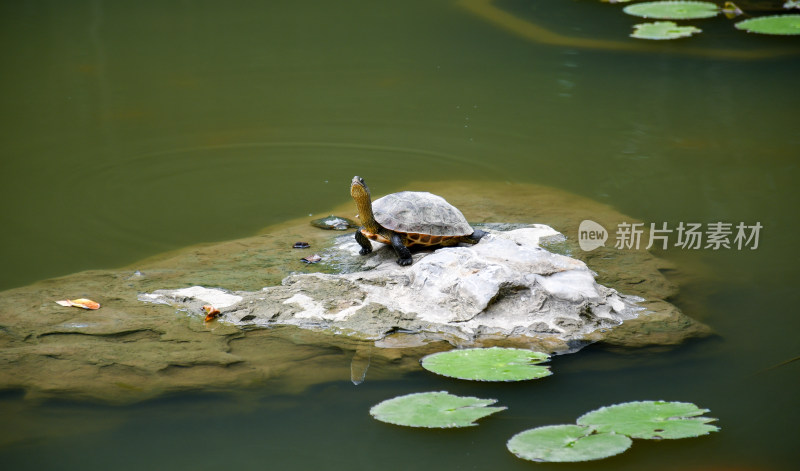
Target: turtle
409	219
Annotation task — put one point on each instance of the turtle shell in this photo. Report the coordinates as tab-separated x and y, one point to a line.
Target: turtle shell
415	212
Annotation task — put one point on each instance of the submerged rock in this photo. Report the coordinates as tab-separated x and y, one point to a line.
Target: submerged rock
336	223
506	286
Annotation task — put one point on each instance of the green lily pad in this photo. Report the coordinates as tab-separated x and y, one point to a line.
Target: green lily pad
488	364
780	24
433	410
566	443
650	419
662	30
672	10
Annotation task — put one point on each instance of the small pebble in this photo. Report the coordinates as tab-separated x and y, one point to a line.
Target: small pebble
136	275
301	245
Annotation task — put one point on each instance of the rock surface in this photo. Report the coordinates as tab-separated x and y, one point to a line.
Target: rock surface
506	286
129	350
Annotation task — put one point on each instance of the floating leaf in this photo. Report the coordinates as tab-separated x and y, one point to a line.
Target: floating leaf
566	443
650	419
433	410
662	30
780	24
730	10
488	364
81	303
672	10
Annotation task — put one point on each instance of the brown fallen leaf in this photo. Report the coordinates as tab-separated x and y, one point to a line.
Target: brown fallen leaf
82	303
211	312
312	258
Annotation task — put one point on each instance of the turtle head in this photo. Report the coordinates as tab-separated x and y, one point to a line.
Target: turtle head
359	190
360	193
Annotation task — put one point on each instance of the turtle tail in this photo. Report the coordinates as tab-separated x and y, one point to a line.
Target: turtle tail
475	237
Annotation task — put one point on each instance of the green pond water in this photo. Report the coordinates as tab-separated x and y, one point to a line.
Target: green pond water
134	128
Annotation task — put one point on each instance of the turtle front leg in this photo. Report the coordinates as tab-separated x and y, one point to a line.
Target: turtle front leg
402	251
366	246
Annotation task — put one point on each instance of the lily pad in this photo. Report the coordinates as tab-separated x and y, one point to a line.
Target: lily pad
650	419
662	30
433	410
673	10
566	443
488	364
779	24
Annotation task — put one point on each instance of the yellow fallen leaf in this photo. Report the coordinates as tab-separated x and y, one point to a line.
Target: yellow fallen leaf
81	303
731	11
211	312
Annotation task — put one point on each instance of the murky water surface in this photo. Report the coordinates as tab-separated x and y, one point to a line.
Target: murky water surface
129	129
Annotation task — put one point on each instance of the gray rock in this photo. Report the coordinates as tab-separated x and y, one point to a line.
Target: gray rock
505	286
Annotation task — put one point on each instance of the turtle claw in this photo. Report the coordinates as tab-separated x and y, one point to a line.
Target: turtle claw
364	251
404	261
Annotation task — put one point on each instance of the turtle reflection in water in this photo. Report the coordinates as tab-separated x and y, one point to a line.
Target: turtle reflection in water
409	219
336	223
